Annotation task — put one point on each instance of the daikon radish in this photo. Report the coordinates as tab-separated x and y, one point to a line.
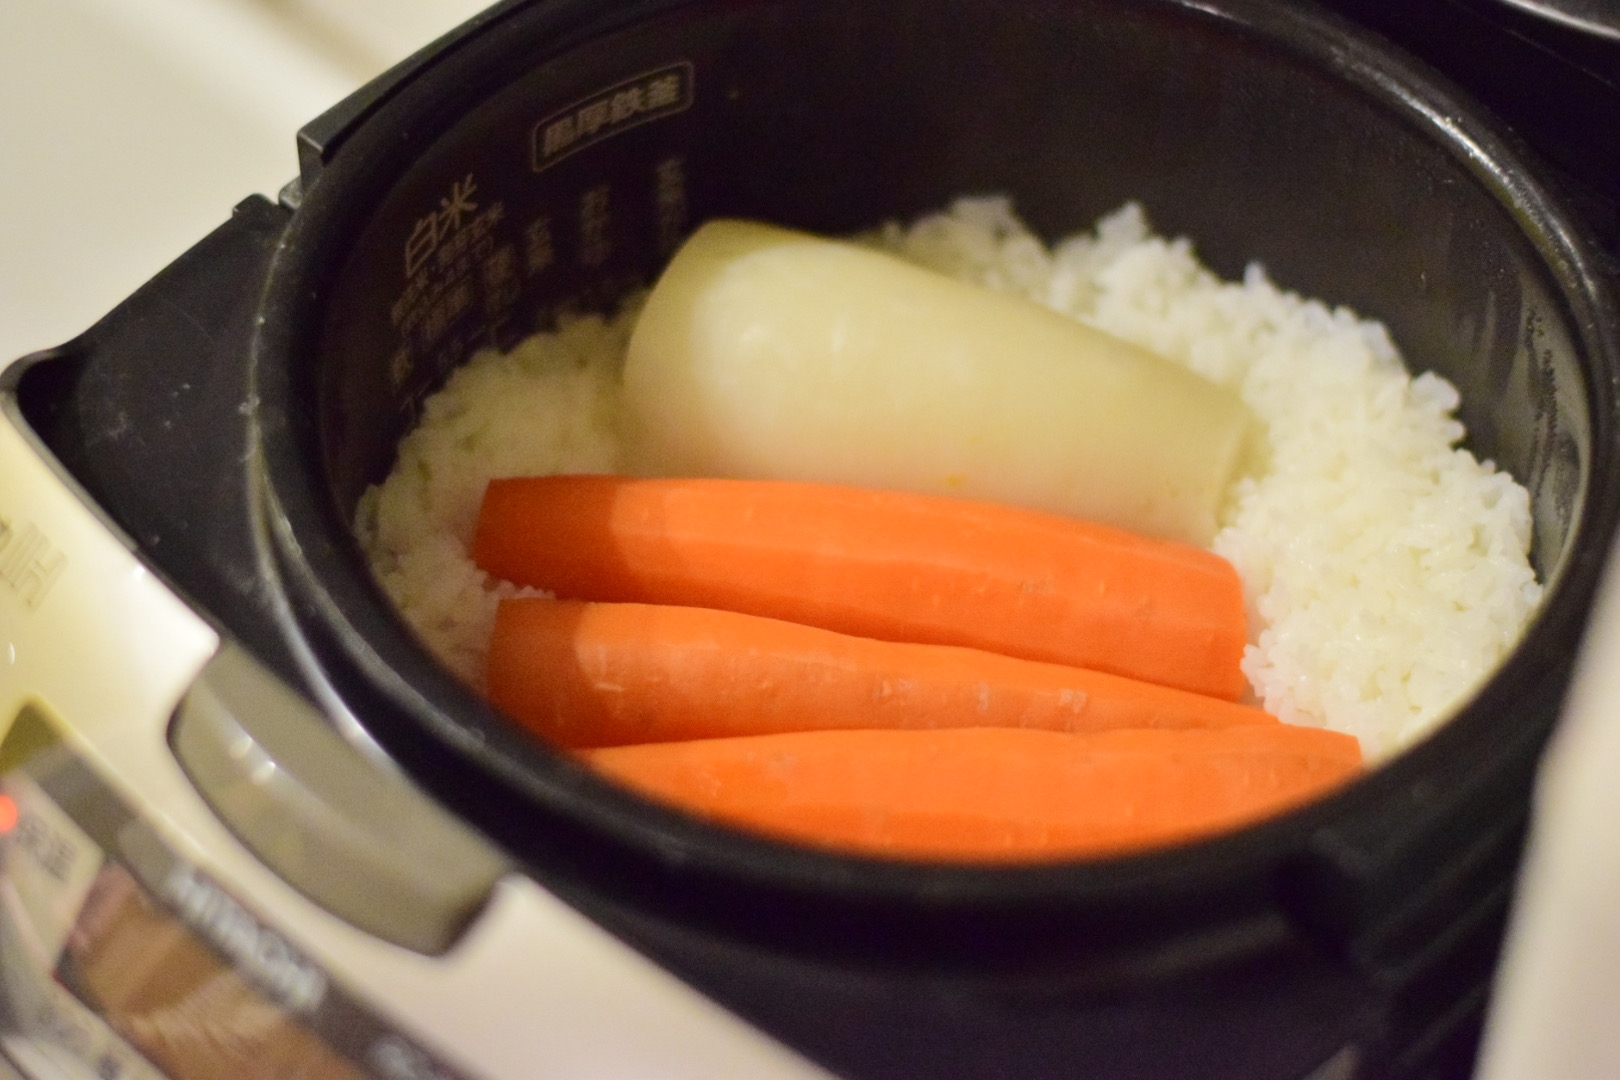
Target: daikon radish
883	564
581	674
768	353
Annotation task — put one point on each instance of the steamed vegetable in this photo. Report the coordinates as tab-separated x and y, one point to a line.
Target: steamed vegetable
581	674
889	565
768	353
990	793
814	642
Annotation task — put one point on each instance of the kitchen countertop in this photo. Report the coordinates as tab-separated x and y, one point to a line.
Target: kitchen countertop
130	128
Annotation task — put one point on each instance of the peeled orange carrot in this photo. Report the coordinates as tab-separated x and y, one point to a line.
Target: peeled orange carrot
583	674
883	564
989	793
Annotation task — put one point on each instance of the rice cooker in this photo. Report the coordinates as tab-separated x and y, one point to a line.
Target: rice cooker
249	828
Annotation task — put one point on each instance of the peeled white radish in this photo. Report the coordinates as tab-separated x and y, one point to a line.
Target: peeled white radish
768	353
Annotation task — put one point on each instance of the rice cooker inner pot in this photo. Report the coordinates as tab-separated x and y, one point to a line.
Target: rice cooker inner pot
553	161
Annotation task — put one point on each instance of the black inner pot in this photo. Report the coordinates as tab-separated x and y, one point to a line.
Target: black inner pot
554	160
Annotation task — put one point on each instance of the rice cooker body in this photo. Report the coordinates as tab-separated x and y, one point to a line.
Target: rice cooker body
549	156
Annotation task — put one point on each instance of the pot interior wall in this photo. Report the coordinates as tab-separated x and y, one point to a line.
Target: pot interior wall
575	178
556	162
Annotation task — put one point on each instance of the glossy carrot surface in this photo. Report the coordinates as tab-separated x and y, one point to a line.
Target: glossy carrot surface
890	565
586	674
989	794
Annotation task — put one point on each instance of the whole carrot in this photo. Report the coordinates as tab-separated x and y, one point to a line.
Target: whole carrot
584	674
992	794
883	564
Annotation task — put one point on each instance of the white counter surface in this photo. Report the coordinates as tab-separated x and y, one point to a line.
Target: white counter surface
129	128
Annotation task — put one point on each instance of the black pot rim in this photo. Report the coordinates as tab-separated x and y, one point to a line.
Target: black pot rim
361	643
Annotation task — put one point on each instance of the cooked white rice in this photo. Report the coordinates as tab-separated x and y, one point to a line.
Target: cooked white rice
1386	568
550	405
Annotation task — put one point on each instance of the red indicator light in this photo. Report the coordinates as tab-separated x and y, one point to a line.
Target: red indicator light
8	814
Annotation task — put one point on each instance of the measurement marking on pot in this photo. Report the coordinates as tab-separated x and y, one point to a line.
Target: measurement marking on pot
539	250
499	273
595	221
669	196
454	257
433	229
634	101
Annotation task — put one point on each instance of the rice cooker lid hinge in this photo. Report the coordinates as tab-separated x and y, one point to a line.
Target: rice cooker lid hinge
320	139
